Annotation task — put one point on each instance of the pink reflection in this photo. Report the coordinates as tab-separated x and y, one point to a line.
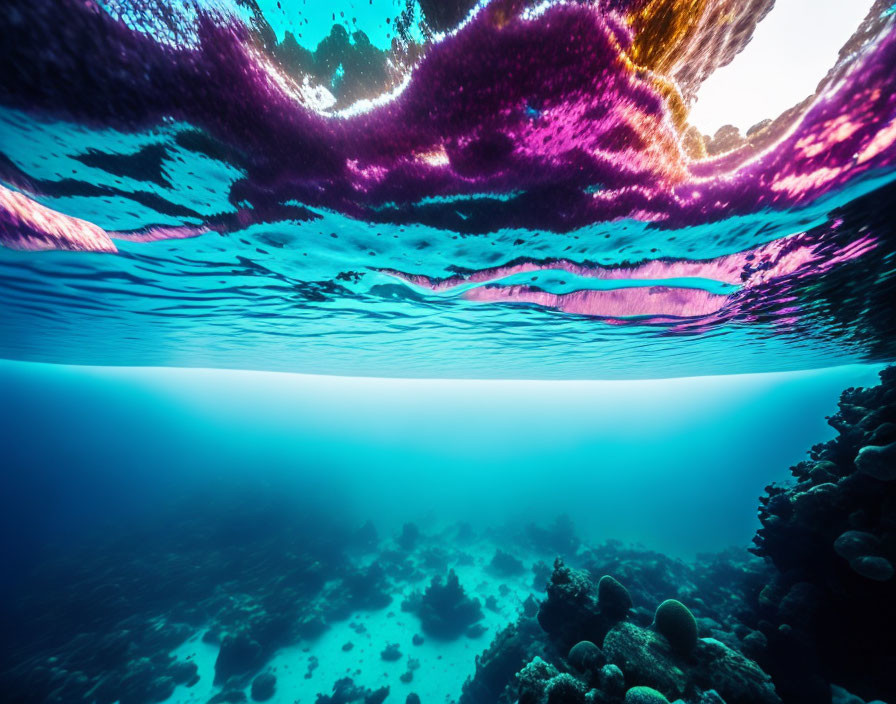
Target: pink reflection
653	301
154	234
27	225
800	254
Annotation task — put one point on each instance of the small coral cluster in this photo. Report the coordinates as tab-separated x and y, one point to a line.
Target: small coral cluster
588	643
444	609
623	661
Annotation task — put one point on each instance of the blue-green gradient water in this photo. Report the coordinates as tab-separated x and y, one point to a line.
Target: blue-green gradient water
676	464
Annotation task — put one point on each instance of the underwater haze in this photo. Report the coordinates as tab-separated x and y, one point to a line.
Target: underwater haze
152	511
448	351
674	463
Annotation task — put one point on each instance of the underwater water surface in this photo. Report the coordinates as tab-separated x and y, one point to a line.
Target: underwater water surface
506	190
447	352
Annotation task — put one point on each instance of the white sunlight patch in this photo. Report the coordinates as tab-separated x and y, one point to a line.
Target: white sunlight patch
791	51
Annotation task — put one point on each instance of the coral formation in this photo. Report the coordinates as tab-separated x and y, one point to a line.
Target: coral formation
570	613
263	687
821	615
345	691
829	613
239	654
614	599
609	654
391	652
444	609
512	648
585	656
676	622
644	695
505	563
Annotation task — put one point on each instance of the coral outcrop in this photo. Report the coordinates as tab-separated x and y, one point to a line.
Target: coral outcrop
676	622
586	646
345	691
444	609
512	648
585	657
829	614
614	599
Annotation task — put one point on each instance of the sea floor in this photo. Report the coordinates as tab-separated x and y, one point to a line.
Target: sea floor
337	606
206	603
353	647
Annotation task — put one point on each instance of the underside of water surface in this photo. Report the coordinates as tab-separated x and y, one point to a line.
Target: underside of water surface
511	189
437	351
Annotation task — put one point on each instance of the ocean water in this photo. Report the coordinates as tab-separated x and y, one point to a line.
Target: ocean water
129	470
347	350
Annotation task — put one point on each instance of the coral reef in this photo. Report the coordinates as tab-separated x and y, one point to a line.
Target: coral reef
829	614
815	616
570	613
610	657
263	579
505	563
513	647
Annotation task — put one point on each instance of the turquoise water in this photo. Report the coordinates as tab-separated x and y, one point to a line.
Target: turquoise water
333	205
627	460
173	489
308	298
347	349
